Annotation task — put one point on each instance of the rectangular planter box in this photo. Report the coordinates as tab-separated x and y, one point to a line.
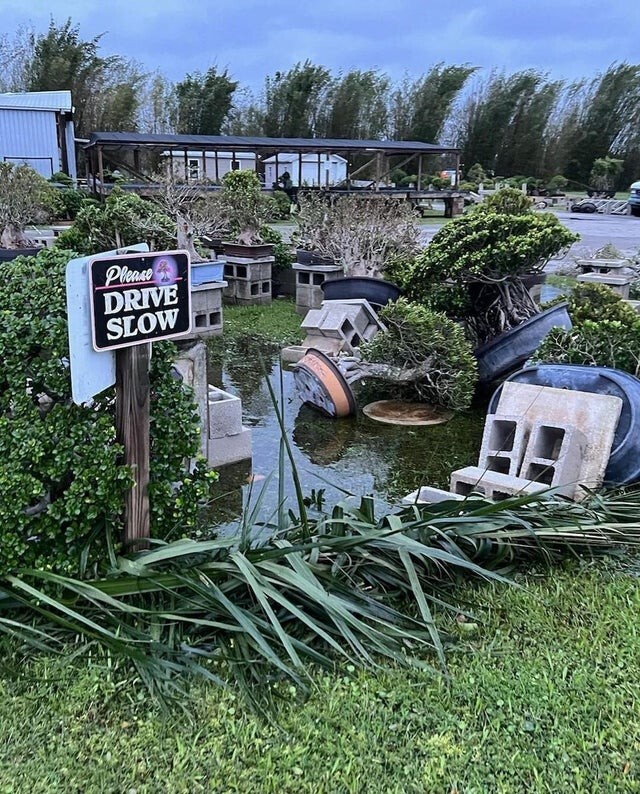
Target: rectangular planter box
204	272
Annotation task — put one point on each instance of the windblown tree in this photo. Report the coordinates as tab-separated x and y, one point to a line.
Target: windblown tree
419	108
204	100
104	89
495	115
357	104
294	99
611	104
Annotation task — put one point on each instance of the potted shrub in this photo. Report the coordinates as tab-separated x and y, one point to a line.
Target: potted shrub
25	198
473	270
247	210
362	233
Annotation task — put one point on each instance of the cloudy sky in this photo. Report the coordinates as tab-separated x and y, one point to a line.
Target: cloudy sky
253	38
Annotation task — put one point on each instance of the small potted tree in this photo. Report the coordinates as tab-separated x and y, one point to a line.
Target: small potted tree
247	210
25	198
362	235
473	269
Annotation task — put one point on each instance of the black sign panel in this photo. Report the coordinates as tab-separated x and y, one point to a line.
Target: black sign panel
138	298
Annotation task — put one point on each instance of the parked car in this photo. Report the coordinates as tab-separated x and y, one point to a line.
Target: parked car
634	199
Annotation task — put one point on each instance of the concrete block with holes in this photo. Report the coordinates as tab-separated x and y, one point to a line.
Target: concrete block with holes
503	443
351	322
554	456
491	484
206	310
427	495
309	280
248	282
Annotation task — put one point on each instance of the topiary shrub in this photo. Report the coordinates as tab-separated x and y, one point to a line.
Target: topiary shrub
417	338
62	484
598	302
474	265
608	343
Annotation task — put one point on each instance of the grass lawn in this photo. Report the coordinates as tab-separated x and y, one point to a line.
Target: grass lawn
544	696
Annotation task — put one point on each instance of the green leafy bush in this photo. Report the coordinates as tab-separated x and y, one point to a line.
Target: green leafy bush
61	481
475	264
282	253
608	343
598	302
282	206
123	219
416	337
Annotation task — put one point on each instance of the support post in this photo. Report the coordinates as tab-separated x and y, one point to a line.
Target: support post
132	431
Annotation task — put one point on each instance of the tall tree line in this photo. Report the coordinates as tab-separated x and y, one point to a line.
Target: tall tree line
510	124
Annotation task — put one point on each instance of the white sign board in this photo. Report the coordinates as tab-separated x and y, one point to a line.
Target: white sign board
91	372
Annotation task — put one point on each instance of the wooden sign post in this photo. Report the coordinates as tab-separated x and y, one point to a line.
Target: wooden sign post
136	299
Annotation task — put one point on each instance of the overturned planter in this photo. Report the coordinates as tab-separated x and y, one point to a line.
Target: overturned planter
509	351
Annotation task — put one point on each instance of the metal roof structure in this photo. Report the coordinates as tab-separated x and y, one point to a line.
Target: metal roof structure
133	140
38	100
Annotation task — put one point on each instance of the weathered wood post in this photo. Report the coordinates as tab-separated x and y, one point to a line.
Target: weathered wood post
132	431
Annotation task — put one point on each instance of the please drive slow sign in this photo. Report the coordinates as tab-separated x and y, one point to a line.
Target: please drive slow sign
139	298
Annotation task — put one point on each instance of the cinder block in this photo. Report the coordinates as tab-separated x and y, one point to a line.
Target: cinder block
619	284
229	449
491	484
309	280
596	415
430	496
504	440
225	413
191	363
206	309
331	347
554	456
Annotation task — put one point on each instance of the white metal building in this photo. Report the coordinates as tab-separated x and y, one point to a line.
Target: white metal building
313	170
194	166
37	128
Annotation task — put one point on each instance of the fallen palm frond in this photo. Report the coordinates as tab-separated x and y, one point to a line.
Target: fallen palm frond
343	586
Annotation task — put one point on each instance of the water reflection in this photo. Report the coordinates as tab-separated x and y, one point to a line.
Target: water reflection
356	454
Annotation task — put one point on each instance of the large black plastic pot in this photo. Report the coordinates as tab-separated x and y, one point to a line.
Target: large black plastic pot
624	461
374	290
505	353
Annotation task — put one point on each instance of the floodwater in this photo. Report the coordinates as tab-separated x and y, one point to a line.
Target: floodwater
332	456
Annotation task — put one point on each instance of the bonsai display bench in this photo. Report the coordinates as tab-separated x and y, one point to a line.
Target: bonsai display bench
309	281
248	281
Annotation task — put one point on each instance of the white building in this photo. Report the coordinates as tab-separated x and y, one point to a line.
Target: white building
37	129
194	166
313	170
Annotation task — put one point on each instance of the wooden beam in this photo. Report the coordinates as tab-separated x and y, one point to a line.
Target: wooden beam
132	431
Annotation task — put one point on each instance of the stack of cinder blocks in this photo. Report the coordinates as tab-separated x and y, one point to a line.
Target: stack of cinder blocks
248	280
206	309
519	456
309	281
229	441
339	326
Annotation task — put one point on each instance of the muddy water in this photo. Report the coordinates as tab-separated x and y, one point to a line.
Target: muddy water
356	455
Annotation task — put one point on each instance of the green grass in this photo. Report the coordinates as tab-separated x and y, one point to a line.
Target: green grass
277	323
544	697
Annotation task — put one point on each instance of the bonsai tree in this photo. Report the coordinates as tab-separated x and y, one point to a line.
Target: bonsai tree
604	172
25	197
123	219
473	268
605	332
195	212
244	206
423	354
360	232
